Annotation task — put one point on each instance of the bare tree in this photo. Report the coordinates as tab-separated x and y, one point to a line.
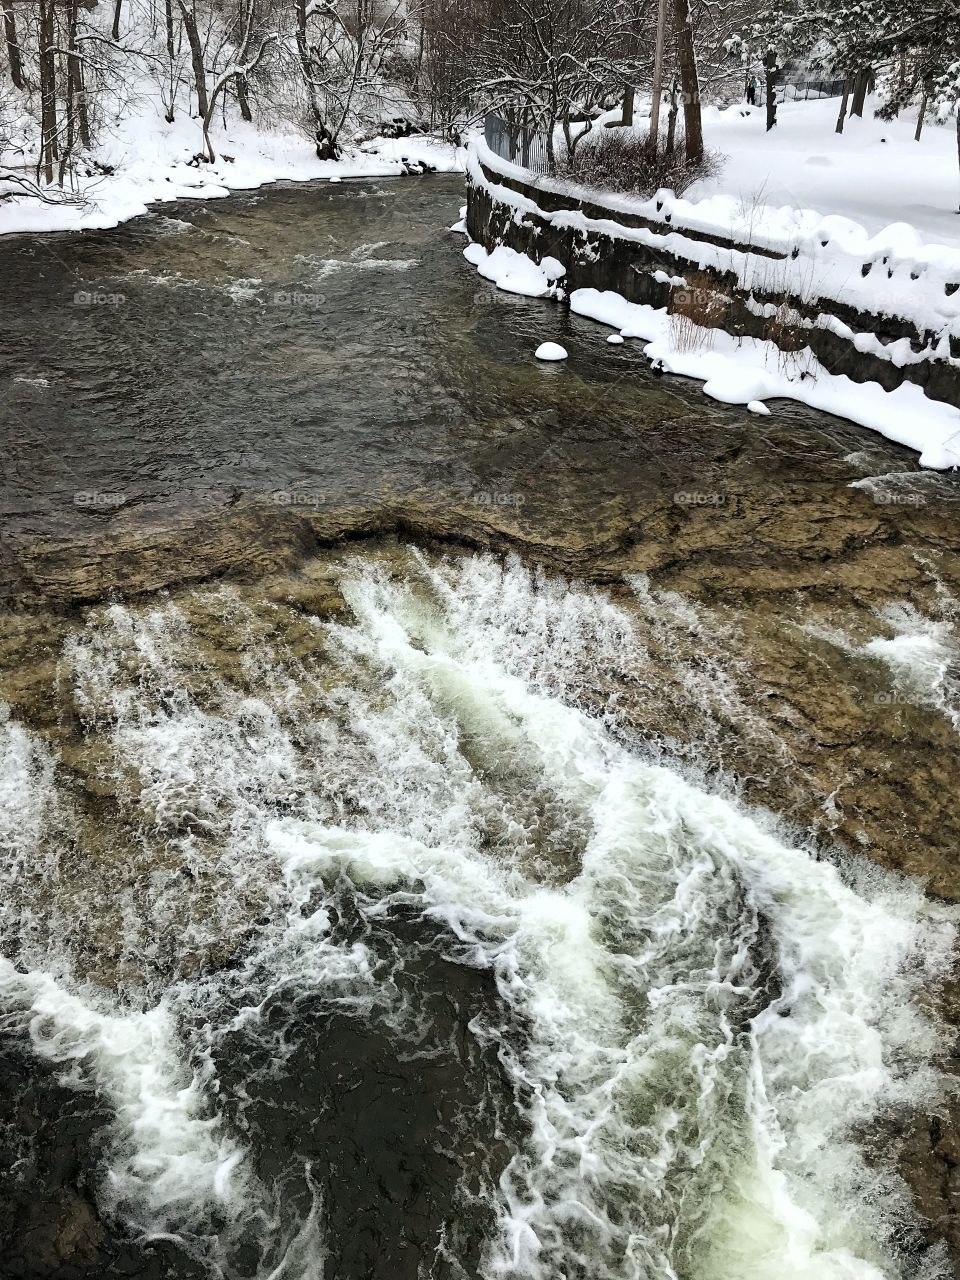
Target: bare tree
244	64
49	141
13	48
689	81
555	63
189	16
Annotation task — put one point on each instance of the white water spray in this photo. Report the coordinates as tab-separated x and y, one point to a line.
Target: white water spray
697	1016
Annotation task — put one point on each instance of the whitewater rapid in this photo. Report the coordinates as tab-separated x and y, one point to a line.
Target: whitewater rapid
696	1018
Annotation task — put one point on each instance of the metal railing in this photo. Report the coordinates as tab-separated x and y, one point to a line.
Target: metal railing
799	91
526	145
520	145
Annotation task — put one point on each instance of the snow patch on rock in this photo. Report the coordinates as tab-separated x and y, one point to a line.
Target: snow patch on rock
514	272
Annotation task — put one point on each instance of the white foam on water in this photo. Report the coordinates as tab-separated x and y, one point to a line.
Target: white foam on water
26	790
921	656
166	279
698	1016
708	670
904	488
172	226
304	1255
361	259
33	822
628	979
243	289
174	1164
212	766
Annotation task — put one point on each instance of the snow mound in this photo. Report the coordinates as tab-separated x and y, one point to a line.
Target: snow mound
550	351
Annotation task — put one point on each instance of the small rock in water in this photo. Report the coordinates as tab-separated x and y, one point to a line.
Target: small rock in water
616	339
757	406
334	179
550	351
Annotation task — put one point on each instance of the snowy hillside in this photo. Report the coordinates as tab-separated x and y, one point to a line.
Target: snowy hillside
874	173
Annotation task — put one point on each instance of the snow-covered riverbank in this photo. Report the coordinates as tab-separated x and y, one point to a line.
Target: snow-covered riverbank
152	161
741	370
798	299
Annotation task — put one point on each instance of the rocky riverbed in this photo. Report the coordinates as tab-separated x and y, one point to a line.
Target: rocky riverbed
773	601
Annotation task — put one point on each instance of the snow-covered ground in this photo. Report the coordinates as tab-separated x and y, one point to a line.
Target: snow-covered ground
874	173
151	162
873	181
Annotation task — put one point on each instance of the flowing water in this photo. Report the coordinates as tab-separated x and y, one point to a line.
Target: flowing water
194	393
505	996
387	938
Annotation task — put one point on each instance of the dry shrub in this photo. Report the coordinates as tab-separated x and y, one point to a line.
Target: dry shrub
785	291
784	328
622	160
695	310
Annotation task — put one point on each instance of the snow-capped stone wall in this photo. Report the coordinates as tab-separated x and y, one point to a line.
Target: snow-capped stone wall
884	309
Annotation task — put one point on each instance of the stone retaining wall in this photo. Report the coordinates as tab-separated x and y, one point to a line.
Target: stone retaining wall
647	272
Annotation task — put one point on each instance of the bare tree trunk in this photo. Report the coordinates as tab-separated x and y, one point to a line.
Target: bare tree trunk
844	102
771	73
49	149
921	114
243	99
69	101
246	19
629	96
196	57
76	91
860	86
419	71
115	30
171	54
13	48
689	82
657	76
672	118
306	66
